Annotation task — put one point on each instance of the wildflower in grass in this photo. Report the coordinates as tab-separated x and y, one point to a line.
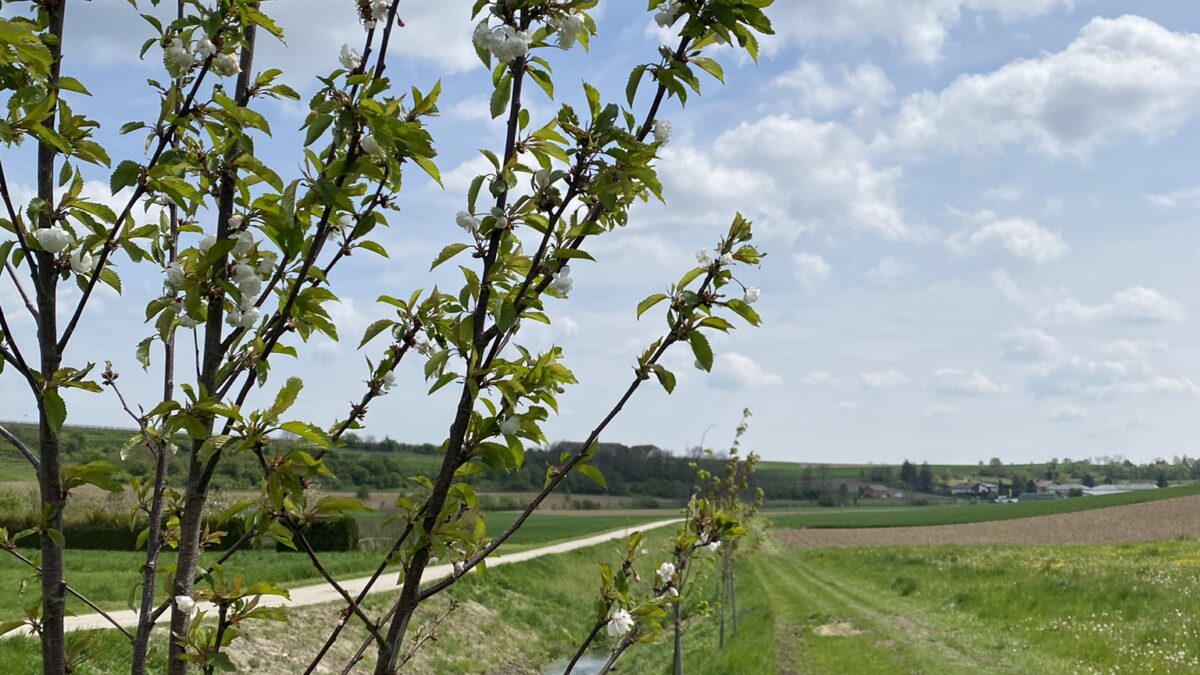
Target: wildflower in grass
619	623
52	239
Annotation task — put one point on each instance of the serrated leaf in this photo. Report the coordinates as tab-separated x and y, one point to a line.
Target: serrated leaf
125	175
448	253
649	302
702	350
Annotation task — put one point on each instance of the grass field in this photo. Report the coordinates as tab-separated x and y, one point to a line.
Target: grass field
108	577
908	516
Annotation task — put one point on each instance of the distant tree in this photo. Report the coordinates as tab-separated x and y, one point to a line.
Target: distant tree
844	494
1162	480
1030	486
908	474
806	482
1088	480
925	478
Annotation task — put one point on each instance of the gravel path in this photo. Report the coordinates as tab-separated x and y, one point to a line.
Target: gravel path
1149	521
322	593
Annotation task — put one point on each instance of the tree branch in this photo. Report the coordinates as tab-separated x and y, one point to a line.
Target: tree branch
108	617
21	447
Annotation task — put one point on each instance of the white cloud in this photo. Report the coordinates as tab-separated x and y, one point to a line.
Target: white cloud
1105	379
1021	237
888	271
796	174
1068	413
1029	345
867	86
820	378
1136	304
920	27
811	269
737	371
1123	76
939	410
883	379
958	382
1183	198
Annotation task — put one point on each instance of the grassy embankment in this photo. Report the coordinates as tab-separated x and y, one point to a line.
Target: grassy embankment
906	516
107	577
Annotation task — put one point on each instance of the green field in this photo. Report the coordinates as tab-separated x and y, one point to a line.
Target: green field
108	577
906	516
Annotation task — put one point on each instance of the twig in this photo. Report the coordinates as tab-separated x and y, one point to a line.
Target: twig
21	447
72	591
426	637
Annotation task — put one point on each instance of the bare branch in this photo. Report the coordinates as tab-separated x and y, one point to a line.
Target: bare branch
21	447
116	624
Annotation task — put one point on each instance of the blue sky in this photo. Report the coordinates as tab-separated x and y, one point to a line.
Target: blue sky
980	217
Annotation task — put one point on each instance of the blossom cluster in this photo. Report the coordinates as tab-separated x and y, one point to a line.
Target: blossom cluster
56	239
504	42
568	28
179	57
379	12
668	14
247	272
726	260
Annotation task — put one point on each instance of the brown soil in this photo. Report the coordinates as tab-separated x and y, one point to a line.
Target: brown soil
1150	521
837	629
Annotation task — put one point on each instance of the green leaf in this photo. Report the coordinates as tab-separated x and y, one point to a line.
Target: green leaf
430	168
745	311
57	537
500	96
56	410
631	87
448	253
593	99
702	350
375	329
709	66
665	377
592	472
284	399
649	302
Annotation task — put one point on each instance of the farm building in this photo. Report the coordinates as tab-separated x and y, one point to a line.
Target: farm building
975	490
874	491
1118	489
1063	489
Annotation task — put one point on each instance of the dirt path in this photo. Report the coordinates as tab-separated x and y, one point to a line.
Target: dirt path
323	593
1149	521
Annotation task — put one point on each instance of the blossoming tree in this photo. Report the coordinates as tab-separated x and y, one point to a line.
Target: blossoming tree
249	260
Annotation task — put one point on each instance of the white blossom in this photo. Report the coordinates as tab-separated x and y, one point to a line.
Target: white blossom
207	243
673	592
484	38
467	222
266	262
662	132
205	48
665	572
726	260
52	239
371	146
389	380
561	282
83	262
243	318
248	282
186	321
619	623
344	223
175	275
751	295
177	58
379	10
501	217
235	221
226	65
349	58
568	30
243	242
668	14
506	43
713	547
510	425
703	258
185	603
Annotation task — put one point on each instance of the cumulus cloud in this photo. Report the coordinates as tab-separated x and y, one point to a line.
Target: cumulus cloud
1103	379
804	176
958	382
883	379
919	27
1029	345
1067	413
819	93
1020	237
736	371
1119	77
1137	304
811	269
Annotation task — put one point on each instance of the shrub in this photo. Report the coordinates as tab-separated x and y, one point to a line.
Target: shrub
645	503
330	535
826	500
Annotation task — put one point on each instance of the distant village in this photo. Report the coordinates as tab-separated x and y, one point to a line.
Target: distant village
1041	490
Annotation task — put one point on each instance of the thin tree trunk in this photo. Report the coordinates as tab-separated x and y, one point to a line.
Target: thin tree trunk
54	591
200	473
678	643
